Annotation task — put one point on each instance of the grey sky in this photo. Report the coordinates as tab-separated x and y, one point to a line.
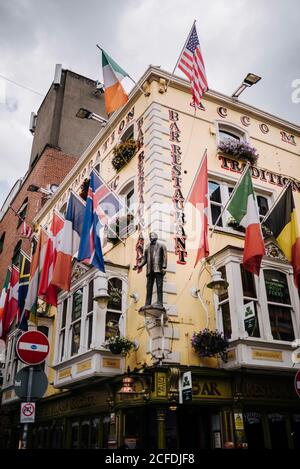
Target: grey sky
236	36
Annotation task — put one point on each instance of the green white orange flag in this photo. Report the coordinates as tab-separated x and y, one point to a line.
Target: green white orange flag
3	301
244	210
114	94
35	271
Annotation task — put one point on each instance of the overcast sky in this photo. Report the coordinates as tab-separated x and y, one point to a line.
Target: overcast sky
236	36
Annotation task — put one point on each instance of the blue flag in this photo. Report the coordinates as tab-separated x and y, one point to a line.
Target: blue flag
90	250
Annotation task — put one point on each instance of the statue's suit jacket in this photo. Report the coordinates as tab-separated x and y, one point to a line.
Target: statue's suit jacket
160	258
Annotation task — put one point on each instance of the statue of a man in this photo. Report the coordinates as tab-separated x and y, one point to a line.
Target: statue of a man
155	257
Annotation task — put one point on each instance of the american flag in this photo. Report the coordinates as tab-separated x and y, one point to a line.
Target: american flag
26	230
191	64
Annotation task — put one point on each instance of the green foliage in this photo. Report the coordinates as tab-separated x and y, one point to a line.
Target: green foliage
119	345
208	343
123	153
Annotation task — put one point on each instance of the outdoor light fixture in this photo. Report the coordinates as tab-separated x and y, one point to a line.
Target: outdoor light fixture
249	80
42	190
101	297
127	388
218	284
86	114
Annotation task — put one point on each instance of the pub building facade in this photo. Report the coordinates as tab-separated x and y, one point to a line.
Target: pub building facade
97	399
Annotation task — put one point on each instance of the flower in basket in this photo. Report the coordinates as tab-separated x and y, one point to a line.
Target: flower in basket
235	225
238	149
119	345
208	343
123	153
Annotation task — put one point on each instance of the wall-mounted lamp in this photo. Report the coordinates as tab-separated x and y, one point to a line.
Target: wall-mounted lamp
86	114
250	80
127	388
135	297
217	284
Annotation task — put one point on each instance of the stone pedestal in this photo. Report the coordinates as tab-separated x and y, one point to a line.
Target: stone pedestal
154	311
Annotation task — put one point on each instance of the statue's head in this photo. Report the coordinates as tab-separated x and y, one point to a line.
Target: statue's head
153	238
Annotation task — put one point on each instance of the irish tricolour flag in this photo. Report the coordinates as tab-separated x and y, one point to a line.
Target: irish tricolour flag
114	95
244	210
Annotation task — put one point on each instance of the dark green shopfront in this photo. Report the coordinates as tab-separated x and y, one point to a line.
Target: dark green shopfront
228	409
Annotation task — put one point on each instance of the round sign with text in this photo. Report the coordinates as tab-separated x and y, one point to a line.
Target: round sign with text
32	347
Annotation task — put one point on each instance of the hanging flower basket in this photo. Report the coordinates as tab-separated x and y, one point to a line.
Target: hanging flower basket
123	153
208	343
239	150
119	345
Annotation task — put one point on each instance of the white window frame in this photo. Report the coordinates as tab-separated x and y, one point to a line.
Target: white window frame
225	183
99	321
232	262
237	130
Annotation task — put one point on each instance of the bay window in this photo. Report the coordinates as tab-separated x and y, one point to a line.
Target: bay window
249	295
114	307
76	321
225	308
279	305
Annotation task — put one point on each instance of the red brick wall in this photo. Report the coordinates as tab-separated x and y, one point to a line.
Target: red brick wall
51	168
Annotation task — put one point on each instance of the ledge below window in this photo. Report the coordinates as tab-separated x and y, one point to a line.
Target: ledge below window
88	366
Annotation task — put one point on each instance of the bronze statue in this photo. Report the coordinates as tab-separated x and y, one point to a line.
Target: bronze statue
155	257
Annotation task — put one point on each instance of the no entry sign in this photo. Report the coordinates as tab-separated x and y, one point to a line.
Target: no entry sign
32	347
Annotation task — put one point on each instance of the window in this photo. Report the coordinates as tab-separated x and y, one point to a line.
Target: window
128	134
62	336
225	308
76	321
2	242
122	226
215	202
22	212
89	317
219	193
114	307
16	254
263	206
230	132
249	295
279	305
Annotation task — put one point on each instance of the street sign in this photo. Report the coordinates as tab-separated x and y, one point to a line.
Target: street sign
38	386
185	387
32	347
297	383
27	412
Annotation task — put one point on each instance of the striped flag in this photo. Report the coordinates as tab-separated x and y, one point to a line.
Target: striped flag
244	210
114	94
199	198
192	65
23	290
26	230
4	301
47	291
70	239
11	308
284	226
35	269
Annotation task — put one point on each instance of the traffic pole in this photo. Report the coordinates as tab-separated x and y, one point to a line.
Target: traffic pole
25	428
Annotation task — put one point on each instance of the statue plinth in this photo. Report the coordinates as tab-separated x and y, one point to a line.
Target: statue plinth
154	311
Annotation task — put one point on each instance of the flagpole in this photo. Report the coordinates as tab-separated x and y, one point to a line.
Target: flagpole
139	87
232	194
167	85
277	201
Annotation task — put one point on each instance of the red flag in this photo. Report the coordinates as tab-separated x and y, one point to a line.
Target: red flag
192	65
26	230
47	291
11	306
199	198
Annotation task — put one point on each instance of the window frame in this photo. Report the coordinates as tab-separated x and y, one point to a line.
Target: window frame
232	259
226	184
231	128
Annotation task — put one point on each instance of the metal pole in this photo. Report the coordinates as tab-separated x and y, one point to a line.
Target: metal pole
25	429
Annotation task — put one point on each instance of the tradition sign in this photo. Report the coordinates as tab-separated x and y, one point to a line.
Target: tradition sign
32	347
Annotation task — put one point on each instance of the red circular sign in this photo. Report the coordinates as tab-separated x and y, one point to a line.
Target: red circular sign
32	347
297	383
